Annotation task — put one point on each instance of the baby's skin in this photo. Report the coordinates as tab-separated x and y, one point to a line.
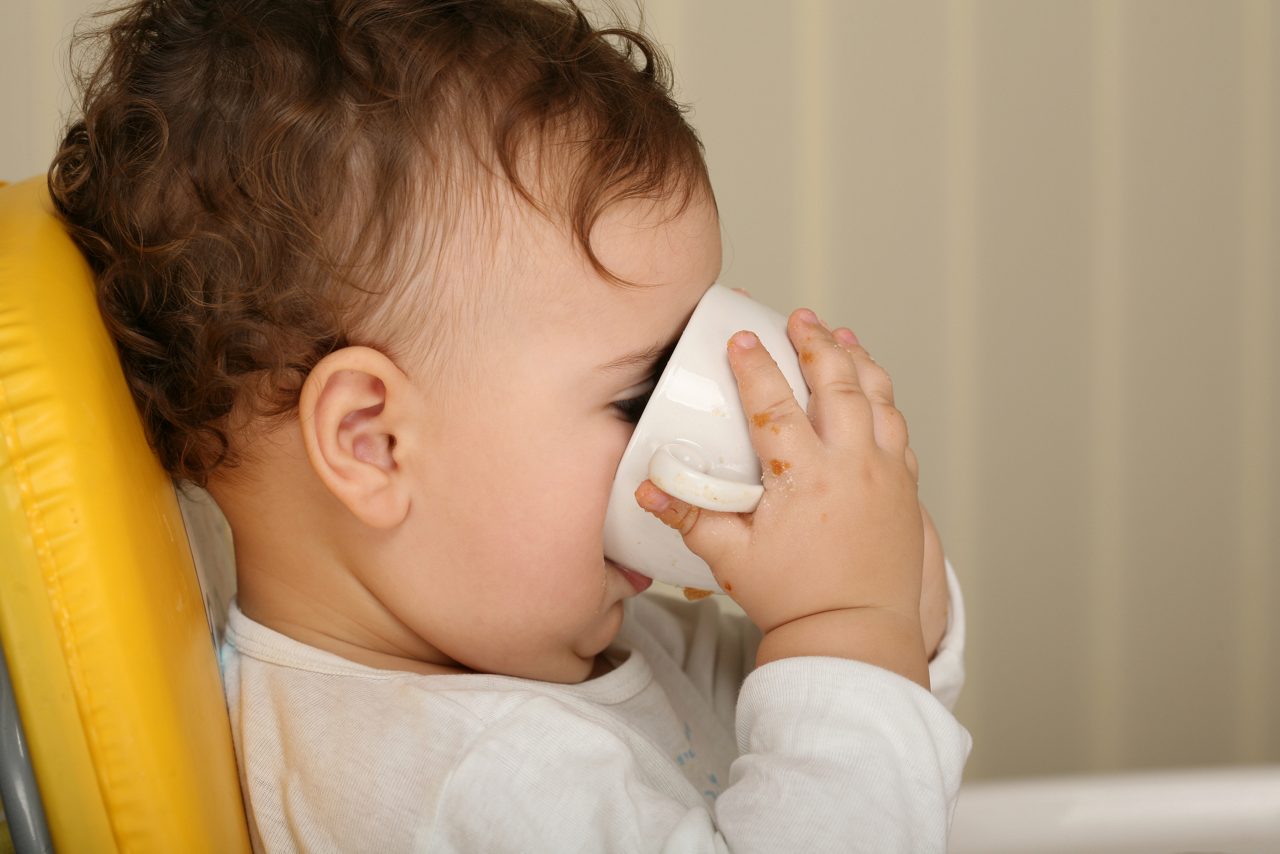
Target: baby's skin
412	519
840	479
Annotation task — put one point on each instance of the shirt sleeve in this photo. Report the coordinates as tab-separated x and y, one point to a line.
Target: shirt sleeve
835	755
857	757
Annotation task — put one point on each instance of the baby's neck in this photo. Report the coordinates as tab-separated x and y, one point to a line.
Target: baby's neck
600	668
264	599
292	575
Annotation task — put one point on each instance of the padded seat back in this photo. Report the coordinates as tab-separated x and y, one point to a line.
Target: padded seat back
102	620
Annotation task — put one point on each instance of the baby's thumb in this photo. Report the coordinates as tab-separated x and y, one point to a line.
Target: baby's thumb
709	534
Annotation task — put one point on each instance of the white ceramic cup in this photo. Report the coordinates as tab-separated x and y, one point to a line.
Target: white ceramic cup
692	439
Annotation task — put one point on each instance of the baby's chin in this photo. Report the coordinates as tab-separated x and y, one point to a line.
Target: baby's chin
594	659
565	663
573	672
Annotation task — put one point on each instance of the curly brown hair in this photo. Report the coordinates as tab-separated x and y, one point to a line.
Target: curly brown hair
245	176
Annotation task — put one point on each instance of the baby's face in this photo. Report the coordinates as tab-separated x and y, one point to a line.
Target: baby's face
502	566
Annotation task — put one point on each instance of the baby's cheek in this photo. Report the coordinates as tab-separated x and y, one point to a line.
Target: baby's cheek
569	480
618	436
602	456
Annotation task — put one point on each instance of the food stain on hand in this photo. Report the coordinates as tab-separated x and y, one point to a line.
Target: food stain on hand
806	356
778	466
762	419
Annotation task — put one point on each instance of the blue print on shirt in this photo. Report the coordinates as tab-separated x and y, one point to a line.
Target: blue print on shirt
689	755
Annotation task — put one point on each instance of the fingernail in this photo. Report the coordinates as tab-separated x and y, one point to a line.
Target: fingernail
652	498
846	337
807	316
744	340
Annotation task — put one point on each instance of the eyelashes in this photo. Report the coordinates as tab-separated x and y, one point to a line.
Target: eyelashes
631	408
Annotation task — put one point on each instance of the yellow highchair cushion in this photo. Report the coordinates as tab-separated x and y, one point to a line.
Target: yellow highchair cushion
101	616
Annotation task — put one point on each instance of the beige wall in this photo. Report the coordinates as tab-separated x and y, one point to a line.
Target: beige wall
34	39
1056	222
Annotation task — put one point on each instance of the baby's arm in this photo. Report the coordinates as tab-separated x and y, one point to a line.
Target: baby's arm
830	562
830	568
933	594
835	755
942	618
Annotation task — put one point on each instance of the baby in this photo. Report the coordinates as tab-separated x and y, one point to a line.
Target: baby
393	278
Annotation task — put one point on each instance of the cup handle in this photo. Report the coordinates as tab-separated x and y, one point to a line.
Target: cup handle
682	470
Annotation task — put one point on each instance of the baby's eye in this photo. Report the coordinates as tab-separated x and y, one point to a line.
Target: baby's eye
631	408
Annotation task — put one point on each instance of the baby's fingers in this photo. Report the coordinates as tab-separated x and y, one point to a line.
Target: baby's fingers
874	379
711	535
778	426
838	407
890	425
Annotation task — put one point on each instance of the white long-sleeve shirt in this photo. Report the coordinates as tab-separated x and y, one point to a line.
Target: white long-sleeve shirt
671	751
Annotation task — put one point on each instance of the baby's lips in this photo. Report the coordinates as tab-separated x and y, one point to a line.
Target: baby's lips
638	580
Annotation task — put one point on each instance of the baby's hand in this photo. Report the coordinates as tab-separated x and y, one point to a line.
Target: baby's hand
830	561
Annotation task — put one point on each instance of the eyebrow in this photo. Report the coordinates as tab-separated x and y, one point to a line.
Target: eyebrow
641	358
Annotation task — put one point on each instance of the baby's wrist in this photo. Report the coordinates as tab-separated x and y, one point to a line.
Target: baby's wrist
879	636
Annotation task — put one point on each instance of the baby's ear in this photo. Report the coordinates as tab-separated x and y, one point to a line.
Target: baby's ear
354	404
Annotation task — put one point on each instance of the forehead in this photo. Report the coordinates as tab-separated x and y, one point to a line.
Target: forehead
666	253
660	243
514	283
